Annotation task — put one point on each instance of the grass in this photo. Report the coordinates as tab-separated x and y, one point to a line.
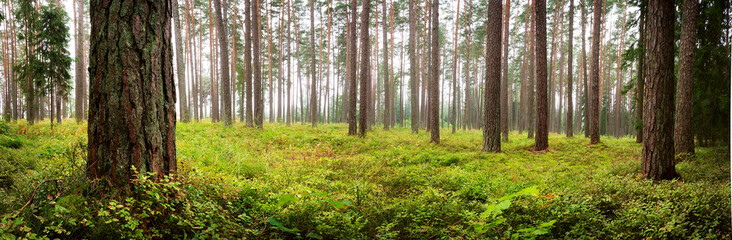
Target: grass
395	185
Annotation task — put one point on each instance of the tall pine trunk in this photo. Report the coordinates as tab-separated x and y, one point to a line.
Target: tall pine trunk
413	68
365	71
683	135
257	65
504	82
351	78
595	77
224	58
313	87
492	110
435	74
569	127
542	128
658	143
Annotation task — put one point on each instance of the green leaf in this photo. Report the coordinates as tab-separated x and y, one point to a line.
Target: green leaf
337	204
285	199
314	235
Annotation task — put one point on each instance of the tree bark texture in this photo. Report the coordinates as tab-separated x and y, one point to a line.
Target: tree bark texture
132	102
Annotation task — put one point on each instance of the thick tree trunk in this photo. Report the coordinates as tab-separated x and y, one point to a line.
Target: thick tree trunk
683	134
569	128
132	118
595	77
435	74
658	143
492	114
542	129
365	71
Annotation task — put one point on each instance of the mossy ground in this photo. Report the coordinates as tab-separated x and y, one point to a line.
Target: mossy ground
395	185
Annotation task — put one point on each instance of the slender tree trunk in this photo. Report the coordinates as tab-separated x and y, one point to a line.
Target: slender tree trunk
468	104
683	134
149	144
658	143
595	89
413	68
232	69
531	112
504	81
224	51
542	129
492	114
387	87
257	66
289	65
640	85
79	79
454	70
314	89
181	65
353	85
435	74
365	61
570	124
586	92
248	61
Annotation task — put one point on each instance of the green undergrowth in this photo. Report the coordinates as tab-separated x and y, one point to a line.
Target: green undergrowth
302	183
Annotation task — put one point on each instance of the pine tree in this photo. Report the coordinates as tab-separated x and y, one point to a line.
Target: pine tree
492	114
147	146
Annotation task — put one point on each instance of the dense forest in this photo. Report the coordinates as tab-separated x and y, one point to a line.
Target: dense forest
347	119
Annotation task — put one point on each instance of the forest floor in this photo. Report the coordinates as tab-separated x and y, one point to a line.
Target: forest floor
300	182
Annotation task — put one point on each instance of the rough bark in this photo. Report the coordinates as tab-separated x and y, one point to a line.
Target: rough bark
492	110
365	71
683	134
257	66
595	77
224	52
435	75
353	51
542	110
658	143
132	109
